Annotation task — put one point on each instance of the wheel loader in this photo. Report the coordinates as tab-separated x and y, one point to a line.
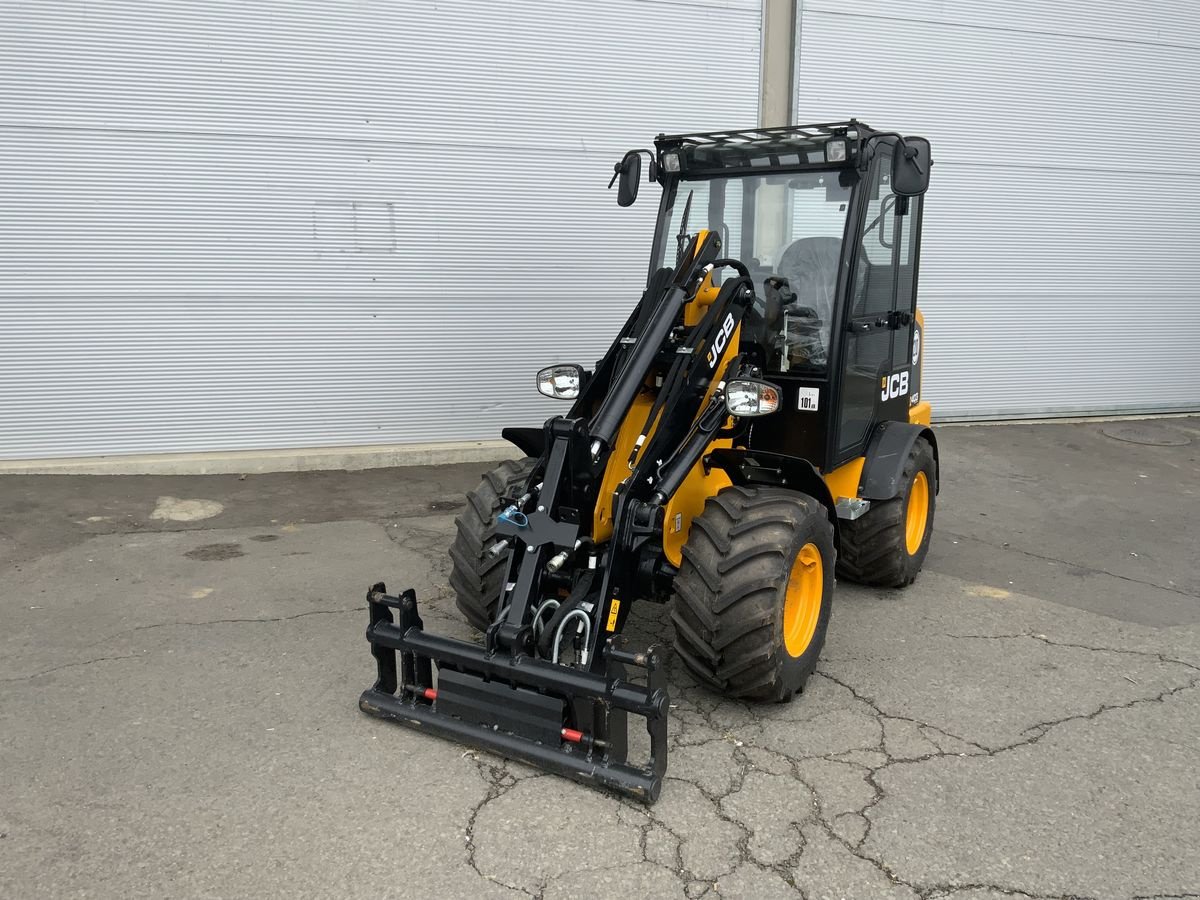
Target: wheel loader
756	428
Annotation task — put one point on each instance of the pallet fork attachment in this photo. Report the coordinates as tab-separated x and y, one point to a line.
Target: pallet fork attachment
515	705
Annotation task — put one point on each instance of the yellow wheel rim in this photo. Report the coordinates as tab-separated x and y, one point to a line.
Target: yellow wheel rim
802	604
917	516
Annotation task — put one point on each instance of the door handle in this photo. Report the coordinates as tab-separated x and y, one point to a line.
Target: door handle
865	326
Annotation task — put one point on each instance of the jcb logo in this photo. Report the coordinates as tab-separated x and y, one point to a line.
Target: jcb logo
894	386
719	342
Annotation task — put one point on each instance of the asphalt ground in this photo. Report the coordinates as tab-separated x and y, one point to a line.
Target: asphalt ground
181	657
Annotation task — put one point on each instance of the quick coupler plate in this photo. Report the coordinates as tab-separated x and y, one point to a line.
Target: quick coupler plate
562	719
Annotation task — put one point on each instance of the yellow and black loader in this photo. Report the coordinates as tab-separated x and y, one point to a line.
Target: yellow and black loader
756	427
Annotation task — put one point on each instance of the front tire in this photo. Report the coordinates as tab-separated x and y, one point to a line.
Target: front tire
887	546
476	574
753	593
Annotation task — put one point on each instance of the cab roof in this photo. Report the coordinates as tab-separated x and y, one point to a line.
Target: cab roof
784	148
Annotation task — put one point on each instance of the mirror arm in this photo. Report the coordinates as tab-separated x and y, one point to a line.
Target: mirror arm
909	152
652	168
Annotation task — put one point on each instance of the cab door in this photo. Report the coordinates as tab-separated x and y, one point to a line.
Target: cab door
875	365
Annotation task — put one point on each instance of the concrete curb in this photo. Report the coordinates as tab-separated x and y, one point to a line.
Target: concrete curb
257	462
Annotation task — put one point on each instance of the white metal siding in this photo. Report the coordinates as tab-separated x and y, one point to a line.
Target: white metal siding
1060	268
289	224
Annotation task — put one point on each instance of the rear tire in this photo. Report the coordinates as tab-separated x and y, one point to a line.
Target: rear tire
753	593
476	575
887	546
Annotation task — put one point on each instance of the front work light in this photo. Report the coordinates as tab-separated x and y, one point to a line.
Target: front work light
835	151
751	398
670	162
560	382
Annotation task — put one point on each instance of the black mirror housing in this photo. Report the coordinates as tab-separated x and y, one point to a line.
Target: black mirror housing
910	167
629	174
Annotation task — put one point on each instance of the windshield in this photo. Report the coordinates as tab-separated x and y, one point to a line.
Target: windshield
787	230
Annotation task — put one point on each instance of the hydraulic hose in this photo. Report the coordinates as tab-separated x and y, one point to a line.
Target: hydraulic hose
572	602
587	633
538	624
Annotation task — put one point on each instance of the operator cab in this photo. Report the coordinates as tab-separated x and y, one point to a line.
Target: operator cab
827	220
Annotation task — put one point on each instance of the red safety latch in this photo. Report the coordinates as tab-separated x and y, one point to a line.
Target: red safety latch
573	736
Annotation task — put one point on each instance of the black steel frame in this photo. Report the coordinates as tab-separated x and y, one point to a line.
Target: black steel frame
774	143
773	134
406	693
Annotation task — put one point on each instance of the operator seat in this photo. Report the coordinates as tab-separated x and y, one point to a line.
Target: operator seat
810	265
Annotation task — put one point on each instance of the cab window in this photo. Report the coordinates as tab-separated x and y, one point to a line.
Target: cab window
787	229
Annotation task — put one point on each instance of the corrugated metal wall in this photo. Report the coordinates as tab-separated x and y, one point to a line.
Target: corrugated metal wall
291	224
1060	268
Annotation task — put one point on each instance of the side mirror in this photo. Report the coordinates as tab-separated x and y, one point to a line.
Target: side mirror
629	174
910	167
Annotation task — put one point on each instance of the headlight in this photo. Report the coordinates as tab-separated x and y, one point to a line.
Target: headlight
751	398
560	382
835	151
670	162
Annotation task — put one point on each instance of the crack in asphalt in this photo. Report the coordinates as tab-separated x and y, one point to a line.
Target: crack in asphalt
1150	654
1043	728
500	782
694	701
236	621
948	892
855	848
73	665
786	867
1067	562
206	623
694	713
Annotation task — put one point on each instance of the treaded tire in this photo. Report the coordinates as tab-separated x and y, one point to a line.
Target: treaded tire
475	575
731	587
873	548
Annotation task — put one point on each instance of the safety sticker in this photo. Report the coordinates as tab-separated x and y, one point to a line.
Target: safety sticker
808	398
611	625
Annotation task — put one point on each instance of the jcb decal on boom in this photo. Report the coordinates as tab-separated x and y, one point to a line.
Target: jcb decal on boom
893	386
719	342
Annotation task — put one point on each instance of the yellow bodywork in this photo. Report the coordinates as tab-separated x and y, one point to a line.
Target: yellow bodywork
688	502
698	486
843	481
